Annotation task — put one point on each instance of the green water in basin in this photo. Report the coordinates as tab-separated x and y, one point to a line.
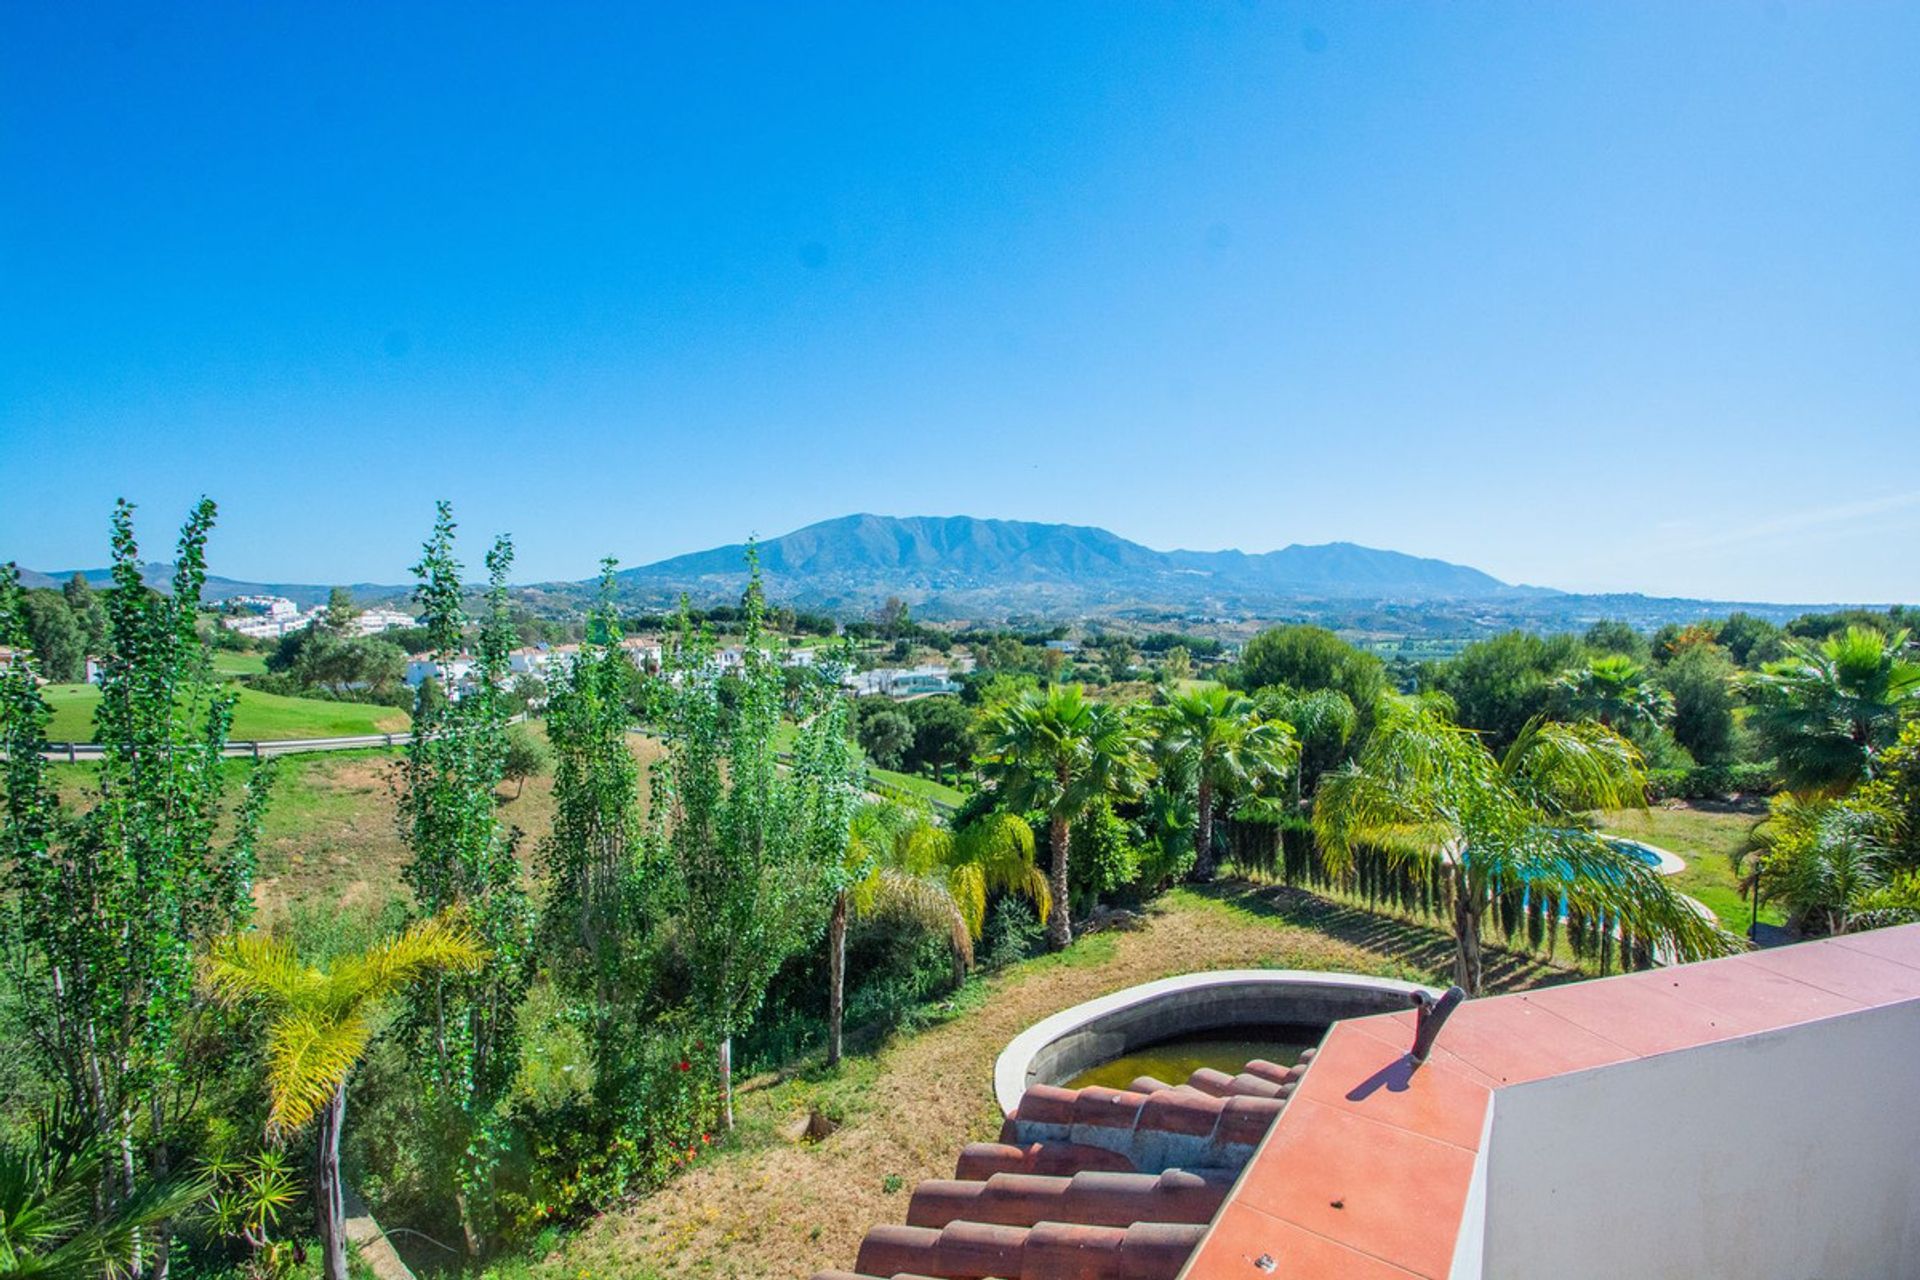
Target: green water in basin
1225	1049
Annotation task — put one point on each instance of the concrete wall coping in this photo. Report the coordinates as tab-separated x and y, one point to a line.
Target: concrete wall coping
1010	1071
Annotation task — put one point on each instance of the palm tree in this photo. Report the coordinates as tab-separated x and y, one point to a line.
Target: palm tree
1426	790
1232	750
1323	720
1615	690
318	1024
1824	861
1826	710
901	862
1056	751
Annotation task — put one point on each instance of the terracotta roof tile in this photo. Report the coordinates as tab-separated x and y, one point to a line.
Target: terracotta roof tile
981	1160
1111	1108
1175	1111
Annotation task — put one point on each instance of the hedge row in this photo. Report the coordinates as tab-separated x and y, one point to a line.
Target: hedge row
1711	782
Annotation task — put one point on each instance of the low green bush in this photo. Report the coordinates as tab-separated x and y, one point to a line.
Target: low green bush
1712	782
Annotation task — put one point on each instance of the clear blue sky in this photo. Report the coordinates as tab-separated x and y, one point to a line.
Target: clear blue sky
1604	296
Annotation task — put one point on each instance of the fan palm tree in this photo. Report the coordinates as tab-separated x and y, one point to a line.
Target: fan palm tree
1615	690
1827	710
1232	750
901	862
1425	789
1056	751
318	1024
49	1227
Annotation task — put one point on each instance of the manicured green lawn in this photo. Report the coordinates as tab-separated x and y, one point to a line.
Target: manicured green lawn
262	716
230	664
914	784
1708	839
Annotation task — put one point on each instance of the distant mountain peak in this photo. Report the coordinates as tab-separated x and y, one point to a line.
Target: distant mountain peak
1023	564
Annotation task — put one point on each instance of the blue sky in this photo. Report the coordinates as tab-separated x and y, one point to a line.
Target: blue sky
1610	296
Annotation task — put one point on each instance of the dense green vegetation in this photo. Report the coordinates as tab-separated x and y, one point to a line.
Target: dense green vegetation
724	861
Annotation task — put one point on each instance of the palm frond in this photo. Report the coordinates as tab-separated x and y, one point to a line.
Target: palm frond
308	1058
1577	767
927	901
250	966
441	942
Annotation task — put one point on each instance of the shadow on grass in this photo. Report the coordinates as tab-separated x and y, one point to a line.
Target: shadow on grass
1420	946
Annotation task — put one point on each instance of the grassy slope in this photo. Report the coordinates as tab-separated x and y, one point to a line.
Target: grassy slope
330	840
1707	838
229	663
769	1207
909	782
259	715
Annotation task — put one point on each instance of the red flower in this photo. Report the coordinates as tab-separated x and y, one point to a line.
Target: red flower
707	1138
685	1065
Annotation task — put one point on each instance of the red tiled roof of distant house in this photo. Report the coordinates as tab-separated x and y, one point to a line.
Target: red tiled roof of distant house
1360	1167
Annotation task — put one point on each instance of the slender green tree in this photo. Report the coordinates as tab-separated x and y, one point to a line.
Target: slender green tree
1234	752
1429	792
597	923
464	1029
1059	752
1826	710
750	848
105	908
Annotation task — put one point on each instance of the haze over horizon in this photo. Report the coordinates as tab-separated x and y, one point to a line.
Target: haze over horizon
1594	297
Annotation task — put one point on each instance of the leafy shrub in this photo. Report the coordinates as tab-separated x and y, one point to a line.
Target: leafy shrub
1013	933
1712	782
1104	859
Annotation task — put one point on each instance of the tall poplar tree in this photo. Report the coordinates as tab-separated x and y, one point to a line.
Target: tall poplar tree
596	922
465	1027
749	847
105	909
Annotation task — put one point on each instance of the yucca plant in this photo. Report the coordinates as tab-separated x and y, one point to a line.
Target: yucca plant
318	1023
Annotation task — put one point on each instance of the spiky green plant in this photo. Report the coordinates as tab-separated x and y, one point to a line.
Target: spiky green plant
1616	691
1232	749
1826	711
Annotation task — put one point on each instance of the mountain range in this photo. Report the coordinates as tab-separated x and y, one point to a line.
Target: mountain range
962	567
959	563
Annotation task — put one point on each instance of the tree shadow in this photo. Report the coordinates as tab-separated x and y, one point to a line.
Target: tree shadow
1421	946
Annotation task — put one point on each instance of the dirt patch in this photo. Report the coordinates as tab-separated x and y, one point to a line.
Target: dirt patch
783	1209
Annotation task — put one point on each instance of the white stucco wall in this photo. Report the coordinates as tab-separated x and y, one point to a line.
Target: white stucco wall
1792	1154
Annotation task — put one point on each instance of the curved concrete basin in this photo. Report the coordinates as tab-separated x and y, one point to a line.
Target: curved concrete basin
1060	1047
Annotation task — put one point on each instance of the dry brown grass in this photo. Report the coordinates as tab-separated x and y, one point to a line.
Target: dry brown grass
329	839
771	1207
